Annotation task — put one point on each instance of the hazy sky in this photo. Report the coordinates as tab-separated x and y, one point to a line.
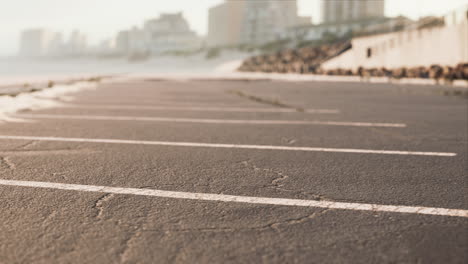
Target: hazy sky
103	18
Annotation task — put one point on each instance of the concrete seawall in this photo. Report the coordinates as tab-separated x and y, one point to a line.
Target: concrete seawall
445	45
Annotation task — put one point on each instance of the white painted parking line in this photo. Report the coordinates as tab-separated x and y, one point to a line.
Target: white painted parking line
211	121
242	199
232	146
208	109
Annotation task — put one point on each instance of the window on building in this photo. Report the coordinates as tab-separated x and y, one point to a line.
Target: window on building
369	52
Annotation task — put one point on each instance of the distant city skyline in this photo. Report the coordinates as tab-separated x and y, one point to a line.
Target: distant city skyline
102	19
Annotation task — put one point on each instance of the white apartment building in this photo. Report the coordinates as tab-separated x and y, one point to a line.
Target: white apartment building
266	21
138	41
340	29
342	17
77	44
35	42
45	43
122	42
170	32
225	23
256	22
334	11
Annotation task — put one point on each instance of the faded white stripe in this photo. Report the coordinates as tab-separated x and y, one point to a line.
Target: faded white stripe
211	121
233	146
243	199
208	109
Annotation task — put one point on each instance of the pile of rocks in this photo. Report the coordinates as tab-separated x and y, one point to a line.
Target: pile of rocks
308	60
438	72
302	60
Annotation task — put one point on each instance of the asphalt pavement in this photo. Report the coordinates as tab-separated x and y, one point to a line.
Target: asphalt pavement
238	171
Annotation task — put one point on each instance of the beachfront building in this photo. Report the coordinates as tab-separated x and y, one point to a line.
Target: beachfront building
138	41
341	11
77	45
35	42
348	28
253	22
45	43
132	41
170	32
342	18
56	46
106	47
122	42
225	23
268	21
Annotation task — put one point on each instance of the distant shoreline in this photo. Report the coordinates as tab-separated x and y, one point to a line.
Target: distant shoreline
14	90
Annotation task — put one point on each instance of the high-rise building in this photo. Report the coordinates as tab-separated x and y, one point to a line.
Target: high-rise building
138	42
35	42
122	41
225	22
42	42
252	21
170	32
77	44
56	45
266	21
336	11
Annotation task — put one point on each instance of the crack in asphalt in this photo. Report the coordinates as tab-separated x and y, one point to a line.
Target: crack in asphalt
7	163
263	100
299	220
289	141
49	218
127	245
274	226
278	182
99	204
29	144
163	185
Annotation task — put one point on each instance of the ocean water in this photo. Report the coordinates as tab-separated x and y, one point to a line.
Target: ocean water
18	72
19	76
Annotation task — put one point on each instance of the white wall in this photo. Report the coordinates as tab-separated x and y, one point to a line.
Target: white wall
447	45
